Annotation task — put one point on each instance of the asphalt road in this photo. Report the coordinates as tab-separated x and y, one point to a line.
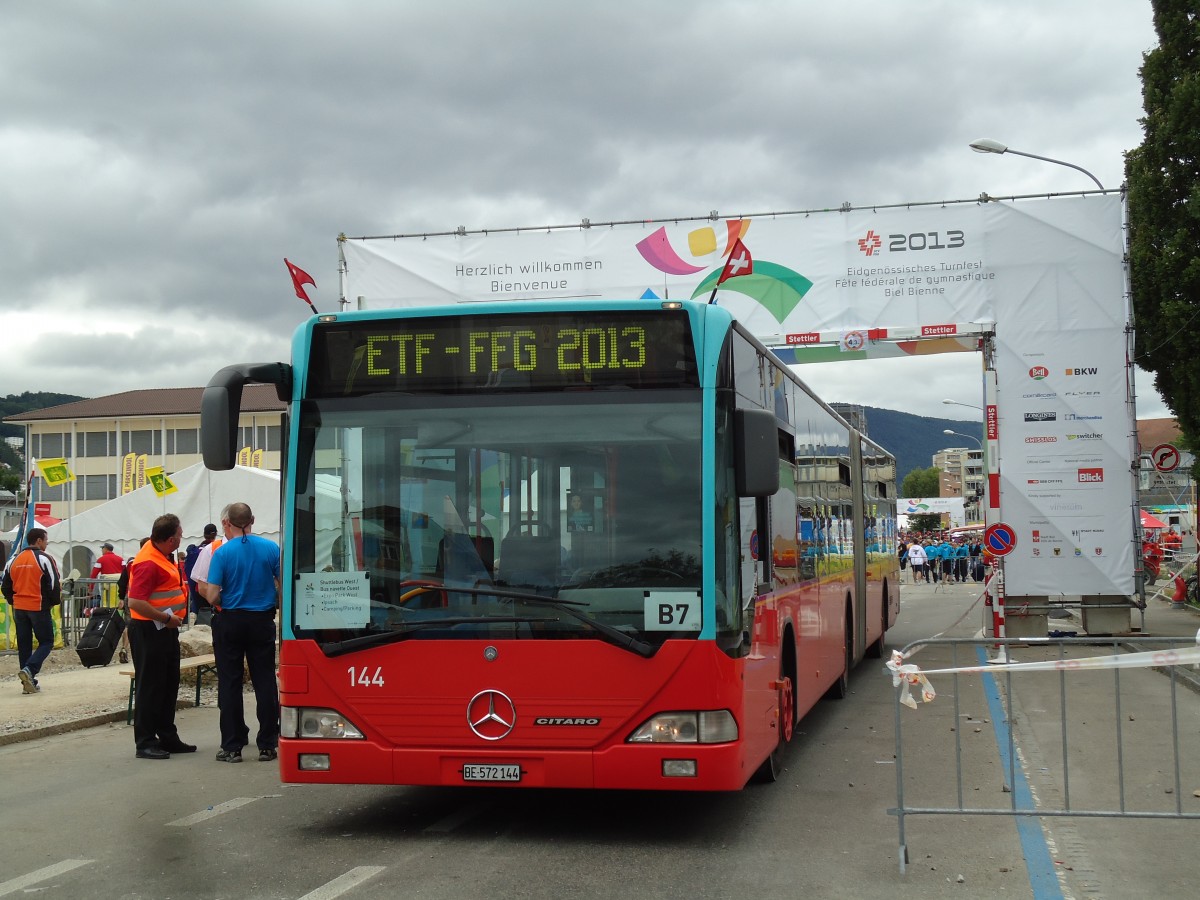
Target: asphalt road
82	817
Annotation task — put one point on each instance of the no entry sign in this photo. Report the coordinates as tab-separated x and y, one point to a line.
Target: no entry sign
1000	539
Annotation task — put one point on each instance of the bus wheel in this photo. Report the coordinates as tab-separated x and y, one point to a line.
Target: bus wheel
840	688
772	766
879	648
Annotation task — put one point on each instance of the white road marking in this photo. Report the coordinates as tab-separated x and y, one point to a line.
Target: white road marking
220	808
24	881
343	883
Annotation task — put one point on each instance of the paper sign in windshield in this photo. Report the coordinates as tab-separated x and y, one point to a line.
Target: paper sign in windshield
332	600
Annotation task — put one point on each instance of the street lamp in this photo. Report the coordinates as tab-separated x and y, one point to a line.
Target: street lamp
959	403
985	145
960	434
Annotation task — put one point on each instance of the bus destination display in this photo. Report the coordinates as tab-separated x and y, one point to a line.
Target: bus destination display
507	352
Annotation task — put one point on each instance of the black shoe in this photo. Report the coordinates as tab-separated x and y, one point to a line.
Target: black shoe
268	754
152	753
178	746
231	756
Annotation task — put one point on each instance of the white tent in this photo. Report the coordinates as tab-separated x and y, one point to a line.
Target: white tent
200	497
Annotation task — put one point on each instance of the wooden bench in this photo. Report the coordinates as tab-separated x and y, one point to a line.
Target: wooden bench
202	665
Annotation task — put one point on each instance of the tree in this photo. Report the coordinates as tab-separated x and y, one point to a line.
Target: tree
922	483
1163	178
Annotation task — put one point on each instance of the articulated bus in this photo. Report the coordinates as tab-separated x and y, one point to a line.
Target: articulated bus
582	544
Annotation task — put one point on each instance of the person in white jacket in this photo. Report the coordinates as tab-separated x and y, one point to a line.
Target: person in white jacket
917	561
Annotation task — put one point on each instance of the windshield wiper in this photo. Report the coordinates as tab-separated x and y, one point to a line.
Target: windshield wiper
608	633
403	630
614	636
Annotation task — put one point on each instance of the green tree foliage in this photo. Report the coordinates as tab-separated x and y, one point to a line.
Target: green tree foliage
925	522
1163	177
921	483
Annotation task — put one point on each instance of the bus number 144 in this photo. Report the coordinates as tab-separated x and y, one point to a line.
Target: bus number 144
364	678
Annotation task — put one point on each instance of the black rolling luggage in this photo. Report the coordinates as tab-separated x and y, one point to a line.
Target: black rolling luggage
99	640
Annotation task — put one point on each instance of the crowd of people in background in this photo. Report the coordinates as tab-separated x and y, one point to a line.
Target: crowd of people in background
939	557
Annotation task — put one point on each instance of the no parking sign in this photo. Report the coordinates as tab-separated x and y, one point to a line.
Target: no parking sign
1000	539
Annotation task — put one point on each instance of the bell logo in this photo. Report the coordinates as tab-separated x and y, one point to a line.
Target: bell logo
1037	373
1091	476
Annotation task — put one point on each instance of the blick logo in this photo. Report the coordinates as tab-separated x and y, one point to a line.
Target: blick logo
1091	476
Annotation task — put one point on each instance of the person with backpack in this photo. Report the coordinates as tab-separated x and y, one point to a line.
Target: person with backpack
33	586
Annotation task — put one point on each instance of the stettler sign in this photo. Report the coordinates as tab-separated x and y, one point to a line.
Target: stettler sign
1048	273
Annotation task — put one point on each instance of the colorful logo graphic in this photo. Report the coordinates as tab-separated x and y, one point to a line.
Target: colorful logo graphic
702	242
871	243
776	288
1037	373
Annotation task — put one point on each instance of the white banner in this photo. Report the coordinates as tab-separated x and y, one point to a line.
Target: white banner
1047	272
919	506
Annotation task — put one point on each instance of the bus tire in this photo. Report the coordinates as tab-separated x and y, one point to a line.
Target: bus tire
840	688
879	648
772	767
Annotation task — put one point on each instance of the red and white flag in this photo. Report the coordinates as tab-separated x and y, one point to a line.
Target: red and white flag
739	263
299	279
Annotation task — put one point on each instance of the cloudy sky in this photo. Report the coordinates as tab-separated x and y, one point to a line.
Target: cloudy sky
159	160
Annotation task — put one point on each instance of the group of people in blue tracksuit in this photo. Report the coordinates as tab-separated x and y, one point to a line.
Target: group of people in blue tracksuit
940	558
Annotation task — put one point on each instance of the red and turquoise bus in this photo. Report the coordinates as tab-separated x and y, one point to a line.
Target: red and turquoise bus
578	544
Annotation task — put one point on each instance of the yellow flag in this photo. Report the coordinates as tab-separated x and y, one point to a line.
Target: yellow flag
243	458
127	466
256	458
139	472
162	484
55	471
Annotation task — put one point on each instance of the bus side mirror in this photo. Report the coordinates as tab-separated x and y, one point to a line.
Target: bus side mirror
221	405
756	452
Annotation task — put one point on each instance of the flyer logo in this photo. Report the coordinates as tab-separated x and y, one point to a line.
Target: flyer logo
871	243
1091	476
1037	373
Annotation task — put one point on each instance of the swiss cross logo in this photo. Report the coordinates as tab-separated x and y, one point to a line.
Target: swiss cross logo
871	243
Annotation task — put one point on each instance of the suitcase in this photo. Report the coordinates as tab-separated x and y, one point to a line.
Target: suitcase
99	640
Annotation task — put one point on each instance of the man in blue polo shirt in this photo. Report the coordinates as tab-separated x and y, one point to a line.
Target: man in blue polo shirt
243	588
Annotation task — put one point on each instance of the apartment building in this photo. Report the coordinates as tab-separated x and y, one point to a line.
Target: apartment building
962	475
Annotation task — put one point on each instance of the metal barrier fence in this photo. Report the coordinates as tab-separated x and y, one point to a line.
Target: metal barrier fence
79	596
1089	774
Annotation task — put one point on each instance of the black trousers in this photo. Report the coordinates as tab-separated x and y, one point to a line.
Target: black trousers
246	639
156	662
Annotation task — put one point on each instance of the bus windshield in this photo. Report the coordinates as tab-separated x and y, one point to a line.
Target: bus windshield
581	511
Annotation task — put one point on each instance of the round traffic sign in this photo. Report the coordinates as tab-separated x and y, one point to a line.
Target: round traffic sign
1165	457
999	539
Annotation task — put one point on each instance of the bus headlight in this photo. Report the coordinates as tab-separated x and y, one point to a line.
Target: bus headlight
706	727
304	722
